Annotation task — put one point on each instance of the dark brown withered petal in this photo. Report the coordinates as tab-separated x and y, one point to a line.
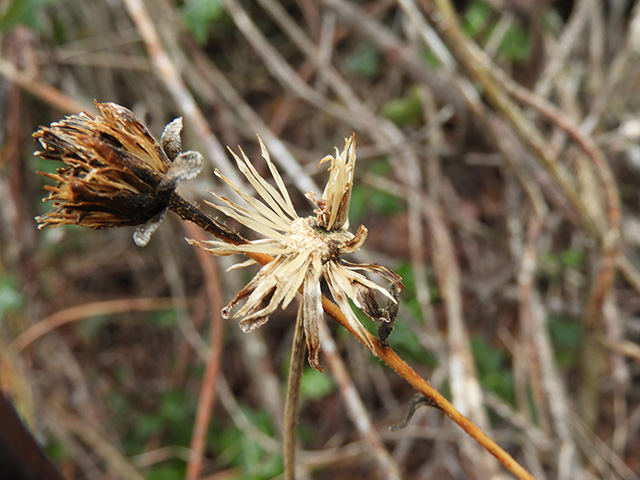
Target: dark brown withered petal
369	304
357	241
113	173
99	207
381	270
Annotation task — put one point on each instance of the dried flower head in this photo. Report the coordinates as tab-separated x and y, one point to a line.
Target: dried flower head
306	250
115	173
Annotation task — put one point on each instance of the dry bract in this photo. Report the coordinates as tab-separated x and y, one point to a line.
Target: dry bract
115	173
306	250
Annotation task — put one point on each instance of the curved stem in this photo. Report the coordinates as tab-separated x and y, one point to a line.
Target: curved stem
190	212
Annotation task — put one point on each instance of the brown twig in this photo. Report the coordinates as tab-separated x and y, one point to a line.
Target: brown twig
387	355
86	310
174	83
208	388
355	406
110	455
607	230
44	92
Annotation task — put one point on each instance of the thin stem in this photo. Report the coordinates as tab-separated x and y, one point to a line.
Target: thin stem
292	401
391	358
192	213
188	211
208	389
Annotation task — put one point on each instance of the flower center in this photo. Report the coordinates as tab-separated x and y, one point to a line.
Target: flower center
305	235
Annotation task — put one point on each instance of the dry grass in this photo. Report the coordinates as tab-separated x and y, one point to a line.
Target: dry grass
497	174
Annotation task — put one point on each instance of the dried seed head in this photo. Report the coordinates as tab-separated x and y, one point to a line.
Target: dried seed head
114	172
306	250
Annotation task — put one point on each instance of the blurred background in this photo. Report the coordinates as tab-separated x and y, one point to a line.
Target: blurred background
498	173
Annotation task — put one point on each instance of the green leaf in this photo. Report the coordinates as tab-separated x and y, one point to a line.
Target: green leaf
315	385
174	470
516	45
493	368
475	18
566	336
363	61
572	258
404	111
22	12
10	298
198	15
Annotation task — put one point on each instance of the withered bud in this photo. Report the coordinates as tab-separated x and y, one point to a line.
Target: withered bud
115	173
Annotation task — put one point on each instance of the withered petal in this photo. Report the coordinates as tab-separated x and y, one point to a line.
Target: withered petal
312	312
112	170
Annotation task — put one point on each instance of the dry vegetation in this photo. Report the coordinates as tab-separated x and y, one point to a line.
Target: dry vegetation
498	173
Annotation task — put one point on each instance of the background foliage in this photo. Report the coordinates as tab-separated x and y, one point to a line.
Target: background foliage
501	268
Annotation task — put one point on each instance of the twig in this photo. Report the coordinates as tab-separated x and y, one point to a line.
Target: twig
571	35
44	92
86	310
355	407
189	212
465	386
479	68
117	463
208	388
533	324
172	80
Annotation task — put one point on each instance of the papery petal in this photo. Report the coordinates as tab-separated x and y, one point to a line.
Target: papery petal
312	311
277	205
286	204
222	248
255	221
337	193
336	282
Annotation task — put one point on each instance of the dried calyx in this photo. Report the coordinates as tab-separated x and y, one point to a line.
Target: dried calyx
115	173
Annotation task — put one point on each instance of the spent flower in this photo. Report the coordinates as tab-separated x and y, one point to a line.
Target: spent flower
305	250
115	173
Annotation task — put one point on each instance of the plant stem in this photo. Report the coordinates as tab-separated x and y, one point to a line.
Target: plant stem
190	212
292	403
391	358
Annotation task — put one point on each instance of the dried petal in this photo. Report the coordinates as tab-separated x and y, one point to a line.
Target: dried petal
305	250
113	171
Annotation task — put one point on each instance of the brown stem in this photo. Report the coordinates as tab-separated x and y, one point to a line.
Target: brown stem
208	389
192	213
188	211
388	356
292	400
